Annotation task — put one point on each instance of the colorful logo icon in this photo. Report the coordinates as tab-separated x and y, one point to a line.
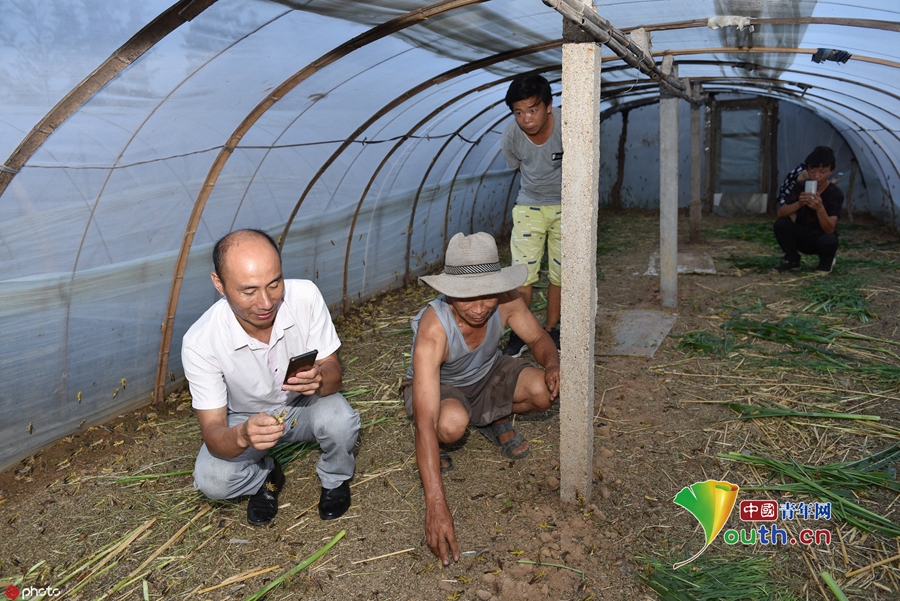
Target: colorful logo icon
711	503
759	511
12	592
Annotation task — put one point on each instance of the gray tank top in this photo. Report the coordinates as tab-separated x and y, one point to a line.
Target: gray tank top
463	366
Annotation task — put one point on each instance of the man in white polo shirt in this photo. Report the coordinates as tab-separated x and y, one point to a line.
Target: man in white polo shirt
235	357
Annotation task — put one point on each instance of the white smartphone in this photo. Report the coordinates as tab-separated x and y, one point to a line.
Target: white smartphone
812	186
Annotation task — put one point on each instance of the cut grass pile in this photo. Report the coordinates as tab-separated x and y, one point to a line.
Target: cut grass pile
838	295
800	341
811	389
759	232
834	483
717	578
809	332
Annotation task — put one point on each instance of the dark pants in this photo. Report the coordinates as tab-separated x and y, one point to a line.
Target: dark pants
795	238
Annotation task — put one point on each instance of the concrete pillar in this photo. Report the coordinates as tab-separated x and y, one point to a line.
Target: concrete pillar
696	162
580	174
668	192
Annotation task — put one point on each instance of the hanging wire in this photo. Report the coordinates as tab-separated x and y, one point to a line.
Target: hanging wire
363	142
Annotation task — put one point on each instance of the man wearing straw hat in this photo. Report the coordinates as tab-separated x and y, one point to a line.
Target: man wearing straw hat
458	375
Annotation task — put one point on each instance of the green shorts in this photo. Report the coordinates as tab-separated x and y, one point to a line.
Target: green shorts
531	226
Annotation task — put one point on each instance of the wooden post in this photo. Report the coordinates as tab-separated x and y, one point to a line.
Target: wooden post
853	165
580	176
668	191
696	162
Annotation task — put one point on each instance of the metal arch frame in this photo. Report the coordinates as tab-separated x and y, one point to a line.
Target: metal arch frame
478	189
700	23
188	9
345	299
455	175
125	147
430	116
873	161
585	17
751	83
422	182
367	37
894	132
267	151
738	64
763	50
462	162
111	170
807	93
403	97
789	94
795	97
408	256
859	131
168	21
453	185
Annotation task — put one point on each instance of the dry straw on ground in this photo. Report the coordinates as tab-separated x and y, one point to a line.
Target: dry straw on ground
111	513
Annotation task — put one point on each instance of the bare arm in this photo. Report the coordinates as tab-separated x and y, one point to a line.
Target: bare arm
261	432
323	378
827	222
788	209
430	352
522	321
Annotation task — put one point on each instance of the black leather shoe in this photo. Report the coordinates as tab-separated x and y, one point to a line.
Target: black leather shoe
334	501
263	506
788	265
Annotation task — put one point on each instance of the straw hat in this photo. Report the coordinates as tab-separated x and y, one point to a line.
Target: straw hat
472	268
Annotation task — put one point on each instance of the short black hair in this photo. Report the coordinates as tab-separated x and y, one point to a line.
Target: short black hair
821	156
228	240
528	86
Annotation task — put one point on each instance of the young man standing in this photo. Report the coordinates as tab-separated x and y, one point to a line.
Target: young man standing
533	145
807	221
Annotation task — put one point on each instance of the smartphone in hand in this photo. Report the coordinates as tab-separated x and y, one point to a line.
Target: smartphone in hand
300	363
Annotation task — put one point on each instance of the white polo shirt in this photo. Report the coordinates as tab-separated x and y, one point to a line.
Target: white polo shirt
225	366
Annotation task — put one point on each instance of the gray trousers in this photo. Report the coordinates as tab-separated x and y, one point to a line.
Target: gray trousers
328	420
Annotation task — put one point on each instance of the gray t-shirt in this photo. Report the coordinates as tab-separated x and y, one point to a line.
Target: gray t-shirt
540	166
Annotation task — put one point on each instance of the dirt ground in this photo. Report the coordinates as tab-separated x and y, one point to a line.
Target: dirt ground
68	520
